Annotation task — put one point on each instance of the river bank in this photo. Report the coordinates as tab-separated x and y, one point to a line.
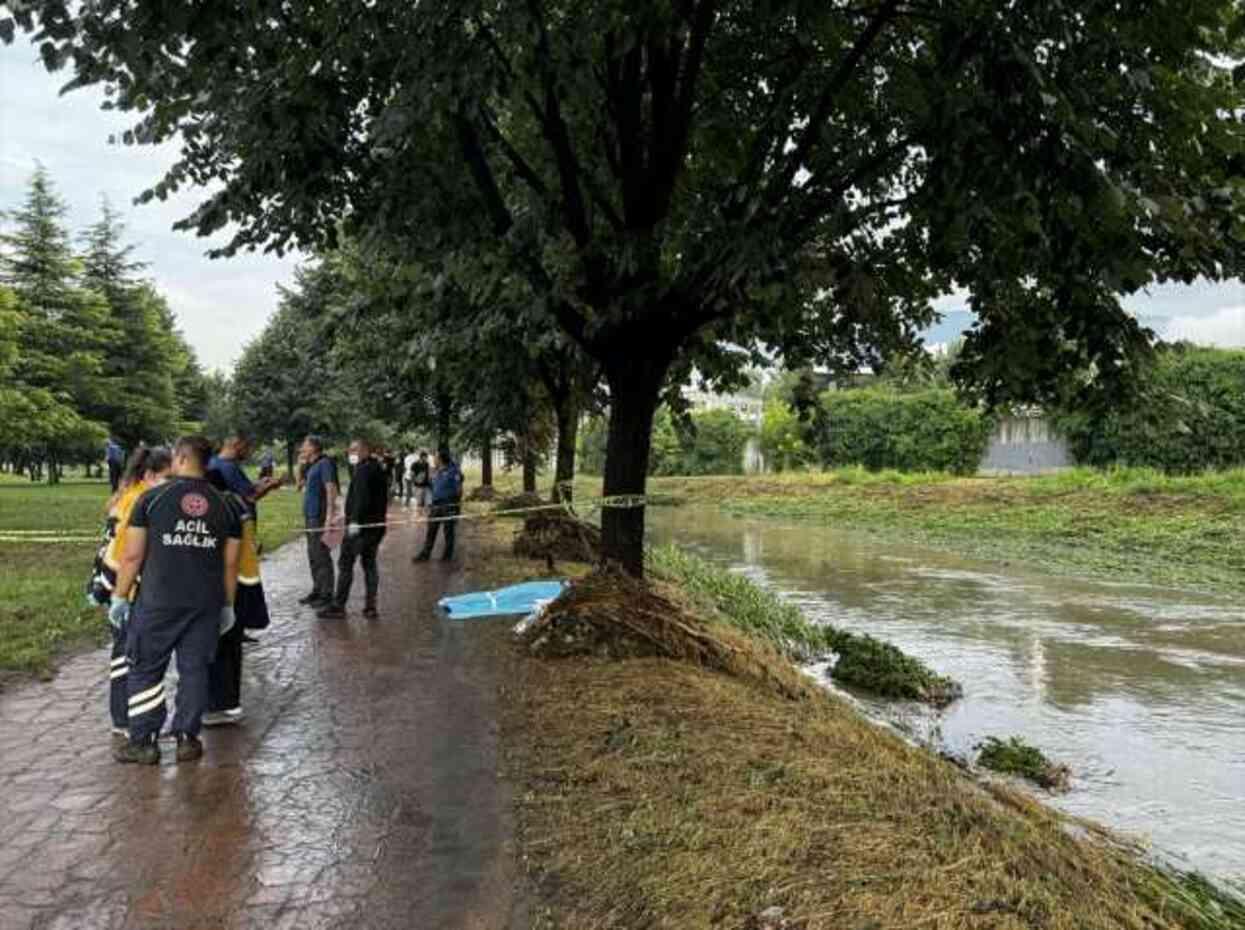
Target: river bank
653	792
1129	525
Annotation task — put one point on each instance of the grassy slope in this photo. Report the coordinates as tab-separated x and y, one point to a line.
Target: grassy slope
42	606
654	794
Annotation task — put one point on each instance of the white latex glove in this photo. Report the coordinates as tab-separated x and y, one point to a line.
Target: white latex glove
119	612
227	619
352	529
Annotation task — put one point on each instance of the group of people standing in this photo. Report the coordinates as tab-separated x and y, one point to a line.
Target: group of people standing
179	573
178	569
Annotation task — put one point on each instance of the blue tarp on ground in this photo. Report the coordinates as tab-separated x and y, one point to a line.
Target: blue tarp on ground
516	599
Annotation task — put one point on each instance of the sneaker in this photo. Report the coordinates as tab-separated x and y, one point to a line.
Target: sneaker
422	557
371	612
145	753
189	747
121	733
332	612
216	718
310	598
235	714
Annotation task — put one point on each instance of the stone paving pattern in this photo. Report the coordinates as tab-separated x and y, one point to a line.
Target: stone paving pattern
361	791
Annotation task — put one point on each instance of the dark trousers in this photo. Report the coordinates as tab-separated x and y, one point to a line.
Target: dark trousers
225	672
320	558
118	679
114	475
154	635
430	538
362	547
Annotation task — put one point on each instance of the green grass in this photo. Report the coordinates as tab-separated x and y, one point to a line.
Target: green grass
864	663
1127	524
43	608
1014	756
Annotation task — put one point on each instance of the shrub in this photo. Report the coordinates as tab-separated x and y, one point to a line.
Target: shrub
1189	417
878	428
714	445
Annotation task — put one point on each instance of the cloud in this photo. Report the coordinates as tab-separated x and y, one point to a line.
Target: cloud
1225	327
220	304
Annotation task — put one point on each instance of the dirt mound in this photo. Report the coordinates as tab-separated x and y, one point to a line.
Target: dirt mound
483	492
612	615
556	535
521	501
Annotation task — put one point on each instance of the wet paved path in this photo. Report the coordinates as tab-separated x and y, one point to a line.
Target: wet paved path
360	792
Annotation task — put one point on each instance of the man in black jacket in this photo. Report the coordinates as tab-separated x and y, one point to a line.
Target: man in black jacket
366	503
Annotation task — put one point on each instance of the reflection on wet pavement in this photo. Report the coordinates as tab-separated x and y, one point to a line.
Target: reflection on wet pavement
1140	689
360	792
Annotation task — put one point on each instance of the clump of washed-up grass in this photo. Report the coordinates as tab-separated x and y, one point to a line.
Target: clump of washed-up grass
864	663
1013	756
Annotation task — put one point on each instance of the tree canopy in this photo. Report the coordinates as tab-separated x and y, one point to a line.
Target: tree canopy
87	348
698	181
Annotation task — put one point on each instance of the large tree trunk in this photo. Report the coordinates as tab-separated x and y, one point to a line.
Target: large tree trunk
568	433
445	410
289	458
529	467
635	383
486	462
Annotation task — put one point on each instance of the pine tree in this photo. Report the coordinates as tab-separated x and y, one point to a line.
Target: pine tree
63	334
144	357
38	262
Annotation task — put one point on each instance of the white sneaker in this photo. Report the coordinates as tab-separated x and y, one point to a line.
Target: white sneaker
216	718
121	732
235	714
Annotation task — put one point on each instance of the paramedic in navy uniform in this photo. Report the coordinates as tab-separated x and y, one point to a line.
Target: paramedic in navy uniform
184	540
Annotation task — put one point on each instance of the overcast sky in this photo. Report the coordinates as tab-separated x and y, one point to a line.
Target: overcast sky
224	303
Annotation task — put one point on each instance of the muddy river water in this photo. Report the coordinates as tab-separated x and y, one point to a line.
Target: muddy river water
1141	690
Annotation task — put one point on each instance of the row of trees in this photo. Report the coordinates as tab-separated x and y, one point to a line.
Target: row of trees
541	192
88	347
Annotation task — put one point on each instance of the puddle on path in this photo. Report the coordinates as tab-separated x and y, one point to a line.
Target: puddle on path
1140	689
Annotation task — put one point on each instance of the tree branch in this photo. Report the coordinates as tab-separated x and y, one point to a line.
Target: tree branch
555	131
842	74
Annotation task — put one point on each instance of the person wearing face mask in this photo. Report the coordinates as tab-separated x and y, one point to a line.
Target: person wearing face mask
367	501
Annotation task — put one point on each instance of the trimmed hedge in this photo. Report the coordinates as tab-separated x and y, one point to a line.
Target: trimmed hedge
927	430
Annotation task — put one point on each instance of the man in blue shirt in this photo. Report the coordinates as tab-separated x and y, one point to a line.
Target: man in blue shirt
320	492
447	495
114	455
228	461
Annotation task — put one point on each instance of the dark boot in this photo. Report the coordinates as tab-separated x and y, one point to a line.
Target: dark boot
144	753
370	611
189	747
332	612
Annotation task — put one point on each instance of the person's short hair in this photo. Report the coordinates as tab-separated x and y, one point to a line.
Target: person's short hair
368	444
423	452
443	454
315	442
240	437
197	447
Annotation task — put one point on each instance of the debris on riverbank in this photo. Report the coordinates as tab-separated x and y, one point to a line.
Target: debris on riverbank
1013	756
482	493
883	670
863	662
554	535
520	502
611	615
662	792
